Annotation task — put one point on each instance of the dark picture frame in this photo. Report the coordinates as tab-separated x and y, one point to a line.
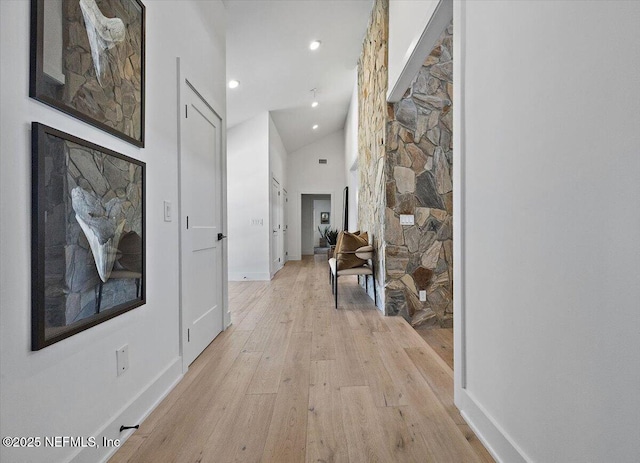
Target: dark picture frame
345	208
87	235
324	217
88	61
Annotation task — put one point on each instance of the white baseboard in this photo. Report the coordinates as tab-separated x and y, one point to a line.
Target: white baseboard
501	447
249	276
132	413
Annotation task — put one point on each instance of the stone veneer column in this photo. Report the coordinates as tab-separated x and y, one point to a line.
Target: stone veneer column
418	176
372	116
405	168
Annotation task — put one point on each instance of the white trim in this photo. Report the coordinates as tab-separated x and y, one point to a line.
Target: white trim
134	412
438	23
495	439
460	357
488	430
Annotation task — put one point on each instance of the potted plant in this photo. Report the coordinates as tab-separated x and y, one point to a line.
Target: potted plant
323	236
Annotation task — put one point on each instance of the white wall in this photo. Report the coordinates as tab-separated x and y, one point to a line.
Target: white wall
407	21
352	176
277	154
71	387
552	206
248	186
307	176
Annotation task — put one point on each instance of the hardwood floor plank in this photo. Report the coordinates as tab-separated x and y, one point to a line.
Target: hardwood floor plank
322	347
403	437
441	341
442	436
348	365
364	431
383	389
266	379
439	378
199	408
222	353
286	441
241	433
220	412
326	441
128	451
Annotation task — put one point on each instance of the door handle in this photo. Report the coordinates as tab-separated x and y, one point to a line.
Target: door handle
221	236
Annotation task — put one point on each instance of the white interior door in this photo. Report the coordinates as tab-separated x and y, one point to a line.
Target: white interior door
276	227
201	211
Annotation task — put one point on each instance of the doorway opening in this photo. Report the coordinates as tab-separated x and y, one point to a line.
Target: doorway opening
316	219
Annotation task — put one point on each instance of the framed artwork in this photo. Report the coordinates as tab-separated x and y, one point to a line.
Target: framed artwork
87	235
324	217
88	60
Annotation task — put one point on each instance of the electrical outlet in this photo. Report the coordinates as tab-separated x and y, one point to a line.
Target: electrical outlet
122	359
423	296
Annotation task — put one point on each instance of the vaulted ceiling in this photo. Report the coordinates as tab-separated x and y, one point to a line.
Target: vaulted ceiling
268	52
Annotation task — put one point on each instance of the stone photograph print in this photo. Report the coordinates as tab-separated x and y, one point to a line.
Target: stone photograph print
93	209
89	62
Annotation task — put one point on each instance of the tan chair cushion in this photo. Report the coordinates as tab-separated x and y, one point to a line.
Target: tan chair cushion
345	254
362	270
365	252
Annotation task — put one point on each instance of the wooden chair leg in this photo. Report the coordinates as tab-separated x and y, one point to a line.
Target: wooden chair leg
335	292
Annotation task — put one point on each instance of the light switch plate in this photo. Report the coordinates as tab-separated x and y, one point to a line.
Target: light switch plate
423	296
167	211
406	219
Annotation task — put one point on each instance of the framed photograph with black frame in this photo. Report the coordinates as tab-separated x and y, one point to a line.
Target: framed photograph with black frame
88	60
87	235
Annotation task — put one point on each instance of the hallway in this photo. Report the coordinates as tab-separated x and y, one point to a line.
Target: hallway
295	380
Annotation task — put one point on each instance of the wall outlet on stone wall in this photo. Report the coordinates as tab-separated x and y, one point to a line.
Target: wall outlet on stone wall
423	296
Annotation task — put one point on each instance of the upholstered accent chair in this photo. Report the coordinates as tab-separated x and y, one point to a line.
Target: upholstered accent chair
349	261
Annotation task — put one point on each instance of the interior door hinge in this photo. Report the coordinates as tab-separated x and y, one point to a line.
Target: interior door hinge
186	111
188	335
187	222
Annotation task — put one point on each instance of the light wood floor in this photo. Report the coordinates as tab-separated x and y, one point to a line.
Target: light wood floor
294	380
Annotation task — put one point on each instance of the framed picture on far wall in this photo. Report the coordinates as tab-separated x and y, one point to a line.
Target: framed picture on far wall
324	217
88	60
87	235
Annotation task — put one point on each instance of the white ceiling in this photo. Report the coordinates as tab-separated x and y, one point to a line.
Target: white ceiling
268	52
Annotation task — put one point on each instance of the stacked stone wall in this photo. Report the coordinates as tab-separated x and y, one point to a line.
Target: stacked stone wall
419	182
372	116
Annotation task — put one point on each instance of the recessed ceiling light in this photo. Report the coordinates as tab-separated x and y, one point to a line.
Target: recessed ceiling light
314	104
315	127
314	45
233	84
